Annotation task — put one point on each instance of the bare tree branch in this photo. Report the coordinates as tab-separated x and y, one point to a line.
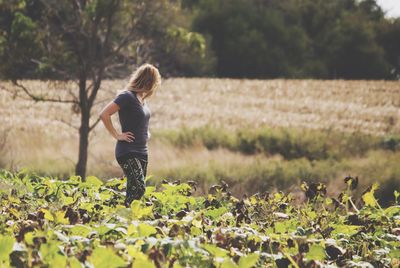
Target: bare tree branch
67	123
94	124
41	98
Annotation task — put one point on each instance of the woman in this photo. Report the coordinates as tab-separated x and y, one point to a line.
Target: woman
134	114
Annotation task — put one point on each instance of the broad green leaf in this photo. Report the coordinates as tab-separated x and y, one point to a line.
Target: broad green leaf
195	231
68	200
28	237
248	261
80	230
6	247
105	196
141	263
285	226
215	251
47	214
94	181
228	263
395	253
215	213
52	255
59	217
131	229
138	212
103	257
146	230
141	260
345	229
316	252
74	263
369	198
392	211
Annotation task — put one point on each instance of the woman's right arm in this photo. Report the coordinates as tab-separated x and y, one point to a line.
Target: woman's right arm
105	116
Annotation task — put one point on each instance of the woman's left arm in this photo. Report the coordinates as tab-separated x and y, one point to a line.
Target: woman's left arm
105	116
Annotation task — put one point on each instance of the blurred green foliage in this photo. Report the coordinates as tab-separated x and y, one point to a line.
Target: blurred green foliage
347	39
310	38
57	39
291	143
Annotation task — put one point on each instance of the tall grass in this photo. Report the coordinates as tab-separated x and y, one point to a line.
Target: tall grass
267	174
291	143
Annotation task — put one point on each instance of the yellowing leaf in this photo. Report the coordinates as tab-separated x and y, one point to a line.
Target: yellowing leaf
28	237
6	247
215	251
141	260
316	252
59	215
80	230
138	212
215	213
369	198
74	263
47	214
106	258
94	181
248	261
131	229
68	200
146	230
345	229
194	231
228	263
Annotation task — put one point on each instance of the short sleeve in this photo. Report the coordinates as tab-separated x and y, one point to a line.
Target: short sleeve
122	100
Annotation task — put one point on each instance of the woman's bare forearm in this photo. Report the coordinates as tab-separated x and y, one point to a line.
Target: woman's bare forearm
109	125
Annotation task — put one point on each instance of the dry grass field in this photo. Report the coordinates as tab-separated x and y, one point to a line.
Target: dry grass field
43	136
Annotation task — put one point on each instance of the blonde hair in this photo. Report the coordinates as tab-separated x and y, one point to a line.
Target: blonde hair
146	78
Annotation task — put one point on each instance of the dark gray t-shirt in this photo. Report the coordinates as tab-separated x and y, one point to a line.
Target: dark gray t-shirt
133	117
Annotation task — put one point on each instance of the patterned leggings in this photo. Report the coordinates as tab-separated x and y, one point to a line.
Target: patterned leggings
135	170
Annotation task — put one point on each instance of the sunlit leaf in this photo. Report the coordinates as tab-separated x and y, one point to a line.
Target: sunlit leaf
74	262
138	212
80	230
6	247
103	257
316	252
94	181
47	214
215	251
215	213
248	261
228	263
345	229
369	198
146	230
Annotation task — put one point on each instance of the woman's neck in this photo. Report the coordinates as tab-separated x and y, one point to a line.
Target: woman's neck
140	96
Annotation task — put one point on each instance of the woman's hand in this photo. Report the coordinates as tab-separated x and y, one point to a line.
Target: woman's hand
126	136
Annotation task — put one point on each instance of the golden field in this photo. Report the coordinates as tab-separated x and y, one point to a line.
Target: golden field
43	136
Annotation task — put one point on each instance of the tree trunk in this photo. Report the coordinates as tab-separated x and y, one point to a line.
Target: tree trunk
84	129
80	169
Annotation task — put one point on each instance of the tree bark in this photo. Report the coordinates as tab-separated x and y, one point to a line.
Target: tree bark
84	130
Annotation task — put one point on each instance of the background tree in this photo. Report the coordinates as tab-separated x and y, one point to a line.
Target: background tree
389	39
85	41
290	38
251	39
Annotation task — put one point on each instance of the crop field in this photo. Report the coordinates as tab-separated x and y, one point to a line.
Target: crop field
366	106
243	173
71	223
254	134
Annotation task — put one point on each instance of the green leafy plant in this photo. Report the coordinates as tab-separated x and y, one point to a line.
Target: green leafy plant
45	221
